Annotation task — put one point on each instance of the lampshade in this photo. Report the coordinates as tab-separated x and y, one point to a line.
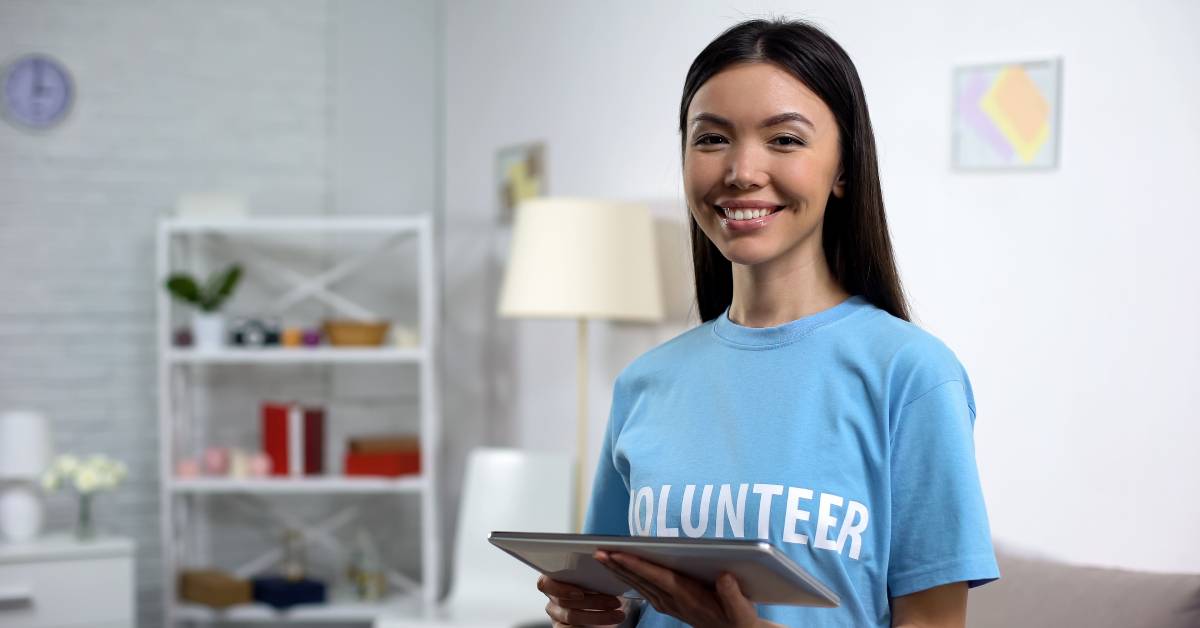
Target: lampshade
582	258
24	445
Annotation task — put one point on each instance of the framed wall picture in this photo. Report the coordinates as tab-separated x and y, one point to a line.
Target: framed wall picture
1006	115
520	174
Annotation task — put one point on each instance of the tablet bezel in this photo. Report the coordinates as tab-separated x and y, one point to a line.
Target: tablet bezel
769	563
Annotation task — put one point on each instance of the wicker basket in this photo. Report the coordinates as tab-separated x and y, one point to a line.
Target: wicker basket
348	333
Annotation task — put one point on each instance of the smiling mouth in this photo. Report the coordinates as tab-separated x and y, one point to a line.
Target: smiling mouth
745	214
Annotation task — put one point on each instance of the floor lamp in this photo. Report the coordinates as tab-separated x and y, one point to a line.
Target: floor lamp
582	259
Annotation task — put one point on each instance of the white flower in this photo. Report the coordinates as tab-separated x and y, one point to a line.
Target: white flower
66	464
89	474
104	478
87	480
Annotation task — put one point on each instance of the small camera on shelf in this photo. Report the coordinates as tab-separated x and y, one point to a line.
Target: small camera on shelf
256	332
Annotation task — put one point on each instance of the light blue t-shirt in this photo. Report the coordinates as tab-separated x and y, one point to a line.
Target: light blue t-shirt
845	438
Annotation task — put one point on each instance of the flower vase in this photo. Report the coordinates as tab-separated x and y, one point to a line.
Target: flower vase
85	525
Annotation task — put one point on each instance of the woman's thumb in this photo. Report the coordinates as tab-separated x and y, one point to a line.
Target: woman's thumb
738	609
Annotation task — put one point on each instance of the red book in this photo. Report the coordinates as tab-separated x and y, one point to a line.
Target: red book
314	441
308	441
275	436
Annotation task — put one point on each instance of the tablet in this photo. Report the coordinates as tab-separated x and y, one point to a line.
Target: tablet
765	574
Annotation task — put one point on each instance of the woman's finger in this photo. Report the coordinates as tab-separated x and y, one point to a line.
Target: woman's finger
580	617
571	596
737	607
659	599
592	602
680	589
652	593
661	576
564	590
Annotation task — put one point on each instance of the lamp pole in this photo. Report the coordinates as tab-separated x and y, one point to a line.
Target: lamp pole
581	372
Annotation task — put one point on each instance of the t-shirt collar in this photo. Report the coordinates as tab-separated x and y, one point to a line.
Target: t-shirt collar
787	332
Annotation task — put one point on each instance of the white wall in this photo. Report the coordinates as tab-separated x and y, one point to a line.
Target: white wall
384	138
1069	295
305	107
384	105
179	97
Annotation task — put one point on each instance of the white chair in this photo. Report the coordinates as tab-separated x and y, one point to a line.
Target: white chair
504	489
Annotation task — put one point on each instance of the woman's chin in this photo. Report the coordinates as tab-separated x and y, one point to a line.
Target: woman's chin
746	253
749	259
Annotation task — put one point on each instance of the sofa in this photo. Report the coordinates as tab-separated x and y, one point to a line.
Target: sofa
1035	592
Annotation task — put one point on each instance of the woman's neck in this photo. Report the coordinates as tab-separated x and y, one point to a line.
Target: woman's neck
783	290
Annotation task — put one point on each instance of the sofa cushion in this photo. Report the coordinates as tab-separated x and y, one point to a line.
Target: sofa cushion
1040	593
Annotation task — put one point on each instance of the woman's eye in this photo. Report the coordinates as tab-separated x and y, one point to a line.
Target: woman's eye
703	141
783	140
791	141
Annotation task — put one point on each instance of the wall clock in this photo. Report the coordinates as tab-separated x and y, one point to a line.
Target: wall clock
38	92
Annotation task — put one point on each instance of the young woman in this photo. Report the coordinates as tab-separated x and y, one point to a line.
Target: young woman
806	410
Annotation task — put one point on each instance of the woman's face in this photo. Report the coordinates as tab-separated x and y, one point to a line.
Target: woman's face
758	137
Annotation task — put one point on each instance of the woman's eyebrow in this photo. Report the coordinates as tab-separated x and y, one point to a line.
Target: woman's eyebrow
779	118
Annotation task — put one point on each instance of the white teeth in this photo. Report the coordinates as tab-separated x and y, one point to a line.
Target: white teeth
744	214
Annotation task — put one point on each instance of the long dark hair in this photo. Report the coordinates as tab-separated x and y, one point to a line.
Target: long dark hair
855	234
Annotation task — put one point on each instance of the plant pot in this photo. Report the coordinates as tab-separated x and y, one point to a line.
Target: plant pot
208	331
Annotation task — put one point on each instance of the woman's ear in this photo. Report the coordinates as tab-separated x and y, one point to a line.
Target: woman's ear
839	185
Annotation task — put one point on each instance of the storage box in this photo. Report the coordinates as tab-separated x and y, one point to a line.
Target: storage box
385	463
386	442
215	588
281	593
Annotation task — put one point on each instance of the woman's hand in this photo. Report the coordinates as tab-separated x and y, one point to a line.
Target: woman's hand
684	598
570	605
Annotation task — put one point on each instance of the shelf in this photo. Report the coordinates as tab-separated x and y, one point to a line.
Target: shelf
59	546
336	611
328	249
311	484
298	355
316	224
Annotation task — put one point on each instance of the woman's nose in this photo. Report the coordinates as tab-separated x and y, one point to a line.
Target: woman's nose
746	168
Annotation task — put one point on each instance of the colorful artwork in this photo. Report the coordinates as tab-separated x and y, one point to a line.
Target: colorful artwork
1007	115
520	174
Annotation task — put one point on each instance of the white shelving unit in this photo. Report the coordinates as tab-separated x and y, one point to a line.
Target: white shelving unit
180	495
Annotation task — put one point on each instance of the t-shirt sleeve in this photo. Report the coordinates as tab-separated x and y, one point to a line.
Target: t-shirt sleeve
940	531
608	507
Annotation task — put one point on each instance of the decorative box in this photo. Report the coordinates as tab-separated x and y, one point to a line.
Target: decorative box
281	592
387	463
390	455
213	587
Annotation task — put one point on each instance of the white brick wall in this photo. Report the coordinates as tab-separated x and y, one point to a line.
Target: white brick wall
172	97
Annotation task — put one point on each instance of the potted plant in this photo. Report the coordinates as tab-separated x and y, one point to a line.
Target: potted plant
208	328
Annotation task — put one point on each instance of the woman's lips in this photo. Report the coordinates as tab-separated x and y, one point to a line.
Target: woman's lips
745	224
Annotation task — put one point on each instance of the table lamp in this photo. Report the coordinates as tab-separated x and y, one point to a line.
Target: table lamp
24	455
582	259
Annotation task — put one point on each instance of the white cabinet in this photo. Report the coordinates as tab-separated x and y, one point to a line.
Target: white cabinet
187	538
58	582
